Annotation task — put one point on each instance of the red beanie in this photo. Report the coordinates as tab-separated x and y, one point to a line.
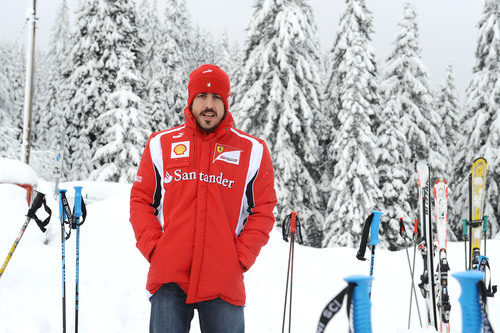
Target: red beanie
209	79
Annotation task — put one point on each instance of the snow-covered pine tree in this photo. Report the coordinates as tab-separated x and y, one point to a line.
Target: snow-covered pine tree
13	68
448	109
353	103
125	129
480	122
39	112
123	119
180	18
8	144
103	29
205	48
224	55
277	99
392	158
168	99
151	31
418	120
51	135
85	91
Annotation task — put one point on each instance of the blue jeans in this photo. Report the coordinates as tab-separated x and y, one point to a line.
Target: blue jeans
171	314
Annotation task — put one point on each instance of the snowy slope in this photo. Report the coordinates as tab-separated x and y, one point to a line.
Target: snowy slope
113	275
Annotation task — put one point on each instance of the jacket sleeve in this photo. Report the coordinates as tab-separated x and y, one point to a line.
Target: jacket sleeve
260	222
144	202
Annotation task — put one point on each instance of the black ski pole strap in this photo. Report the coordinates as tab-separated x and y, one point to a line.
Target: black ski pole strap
483	265
285	227
66	208
332	308
482	301
37	203
364	238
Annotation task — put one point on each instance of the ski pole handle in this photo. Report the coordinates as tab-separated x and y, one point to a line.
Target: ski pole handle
485	223
361	317
374	240
464	227
61	209
37	203
78	202
469	300
293	223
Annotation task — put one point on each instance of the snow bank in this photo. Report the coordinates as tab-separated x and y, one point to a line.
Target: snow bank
113	275
17	172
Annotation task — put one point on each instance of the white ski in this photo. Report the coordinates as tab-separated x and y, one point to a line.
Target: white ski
441	209
427	279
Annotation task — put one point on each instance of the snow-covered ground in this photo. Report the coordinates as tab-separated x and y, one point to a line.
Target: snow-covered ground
113	275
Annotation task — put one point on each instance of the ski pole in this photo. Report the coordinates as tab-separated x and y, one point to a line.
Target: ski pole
63	255
37	203
474	315
374	240
361	318
76	222
291	226
357	292
402	231
371	227
464	234
485	230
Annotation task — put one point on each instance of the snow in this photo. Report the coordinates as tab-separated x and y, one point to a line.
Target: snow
17	172
113	274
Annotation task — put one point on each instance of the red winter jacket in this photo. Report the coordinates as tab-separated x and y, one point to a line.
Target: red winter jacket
202	208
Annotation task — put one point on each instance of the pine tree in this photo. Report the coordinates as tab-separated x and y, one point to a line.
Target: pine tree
123	120
393	150
51	135
151	31
171	71
8	143
277	99
407	78
448	108
480	122
13	68
125	133
352	101
103	30
85	92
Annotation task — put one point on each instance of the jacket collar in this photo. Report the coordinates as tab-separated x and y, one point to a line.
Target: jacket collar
226	123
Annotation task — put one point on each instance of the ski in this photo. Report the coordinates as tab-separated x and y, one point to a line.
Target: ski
477	191
441	209
427	283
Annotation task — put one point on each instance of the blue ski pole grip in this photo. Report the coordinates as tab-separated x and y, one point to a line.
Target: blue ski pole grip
374	240
61	210
469	300
78	201
361	317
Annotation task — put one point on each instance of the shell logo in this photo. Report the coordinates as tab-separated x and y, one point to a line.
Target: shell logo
180	149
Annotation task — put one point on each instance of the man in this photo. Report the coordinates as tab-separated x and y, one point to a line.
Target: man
201	209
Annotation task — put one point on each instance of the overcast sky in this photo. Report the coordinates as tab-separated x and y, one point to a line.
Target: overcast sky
448	28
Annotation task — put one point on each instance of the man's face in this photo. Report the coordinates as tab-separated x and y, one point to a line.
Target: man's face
208	110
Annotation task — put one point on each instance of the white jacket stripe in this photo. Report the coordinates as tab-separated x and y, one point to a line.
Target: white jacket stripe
157	158
253	169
